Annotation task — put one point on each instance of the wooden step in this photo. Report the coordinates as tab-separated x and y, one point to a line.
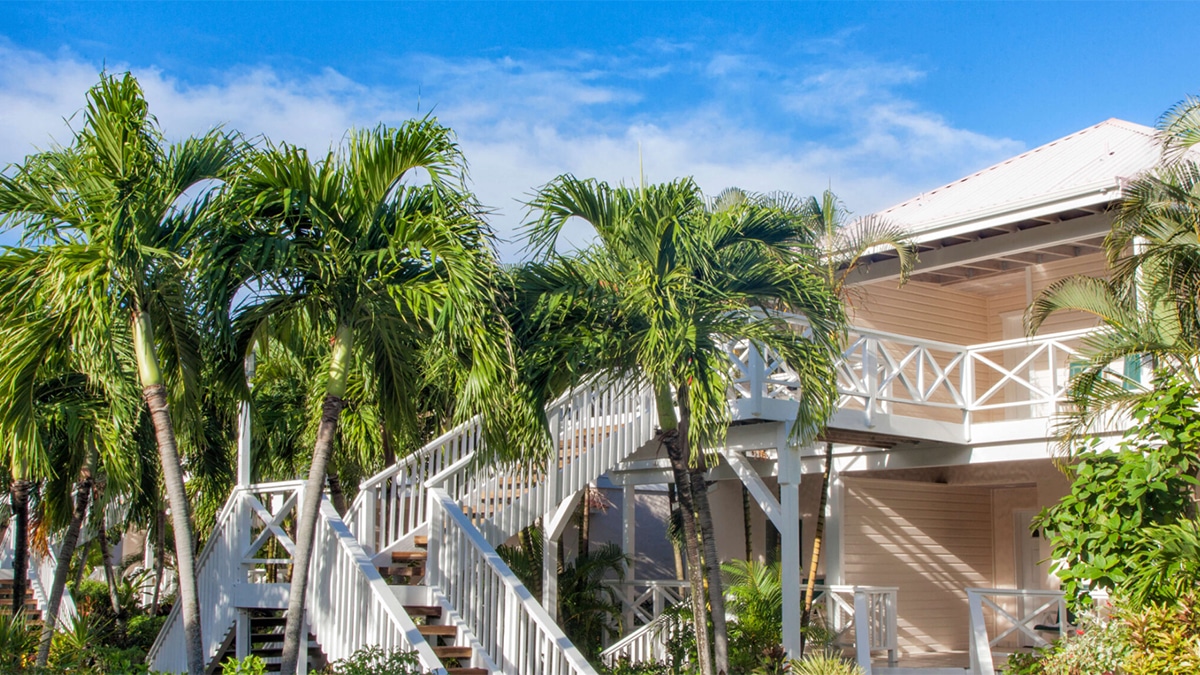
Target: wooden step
267	621
420	540
411	571
429	630
453	652
409	556
467	671
431	611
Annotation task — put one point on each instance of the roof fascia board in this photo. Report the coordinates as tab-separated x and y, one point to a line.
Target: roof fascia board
1032	239
1012	212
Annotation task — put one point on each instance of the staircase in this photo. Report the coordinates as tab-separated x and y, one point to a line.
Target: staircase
266	642
413	564
31	612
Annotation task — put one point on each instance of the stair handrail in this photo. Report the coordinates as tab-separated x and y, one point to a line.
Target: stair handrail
217	567
644	644
571	417
513	628
344	579
39	567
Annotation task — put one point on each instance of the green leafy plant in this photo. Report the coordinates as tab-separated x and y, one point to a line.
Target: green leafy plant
589	608
755	599
1163	638
1025	663
17	643
1098	529
1093	647
825	662
1166	566
624	666
374	660
251	665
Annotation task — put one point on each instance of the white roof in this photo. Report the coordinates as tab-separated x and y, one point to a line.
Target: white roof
1083	169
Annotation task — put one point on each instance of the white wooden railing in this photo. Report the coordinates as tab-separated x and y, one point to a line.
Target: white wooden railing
594	427
647	643
349	605
219	571
642	602
1033	607
40	576
887	373
503	617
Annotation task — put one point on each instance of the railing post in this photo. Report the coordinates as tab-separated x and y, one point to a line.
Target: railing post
757	377
968	392
433	548
980	648
862	630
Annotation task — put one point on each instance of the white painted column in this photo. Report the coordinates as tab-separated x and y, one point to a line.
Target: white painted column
243	474
835	510
629	545
243	444
789	535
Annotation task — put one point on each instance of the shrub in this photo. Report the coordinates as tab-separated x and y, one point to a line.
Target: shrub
1164	639
373	660
251	665
823	663
18	641
624	666
1116	497
1095	648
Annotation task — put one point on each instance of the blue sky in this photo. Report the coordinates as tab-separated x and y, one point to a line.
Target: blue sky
879	101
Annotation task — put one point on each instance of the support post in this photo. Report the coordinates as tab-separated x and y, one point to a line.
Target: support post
243	444
834	521
629	546
862	631
551	531
789	531
242	639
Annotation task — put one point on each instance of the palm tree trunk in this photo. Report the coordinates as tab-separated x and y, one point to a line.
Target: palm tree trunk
819	532
708	538
585	521
20	515
672	507
110	574
83	493
746	524
155	394
677	453
82	567
331	410
712	569
336	495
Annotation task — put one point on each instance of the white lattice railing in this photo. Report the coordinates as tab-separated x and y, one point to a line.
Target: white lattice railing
218	571
853	608
349	605
642	602
886	373
1021	618
503	617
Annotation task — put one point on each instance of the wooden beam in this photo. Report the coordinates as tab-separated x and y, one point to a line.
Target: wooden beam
758	489
1032	239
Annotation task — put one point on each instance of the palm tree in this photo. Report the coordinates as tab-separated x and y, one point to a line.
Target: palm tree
1151	303
669	282
114	215
842	245
353	251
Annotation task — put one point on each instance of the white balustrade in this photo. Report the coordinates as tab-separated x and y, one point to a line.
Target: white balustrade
853	608
503	617
647	643
644	601
886	373
350	606
1033	609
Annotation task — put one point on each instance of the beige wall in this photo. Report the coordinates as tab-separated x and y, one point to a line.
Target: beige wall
970	312
929	540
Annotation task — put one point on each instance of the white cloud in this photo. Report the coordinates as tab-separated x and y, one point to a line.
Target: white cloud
524	120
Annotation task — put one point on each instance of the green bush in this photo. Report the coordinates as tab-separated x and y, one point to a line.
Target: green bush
1164	639
373	660
823	663
624	666
18	643
1099	529
251	665
1096	647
